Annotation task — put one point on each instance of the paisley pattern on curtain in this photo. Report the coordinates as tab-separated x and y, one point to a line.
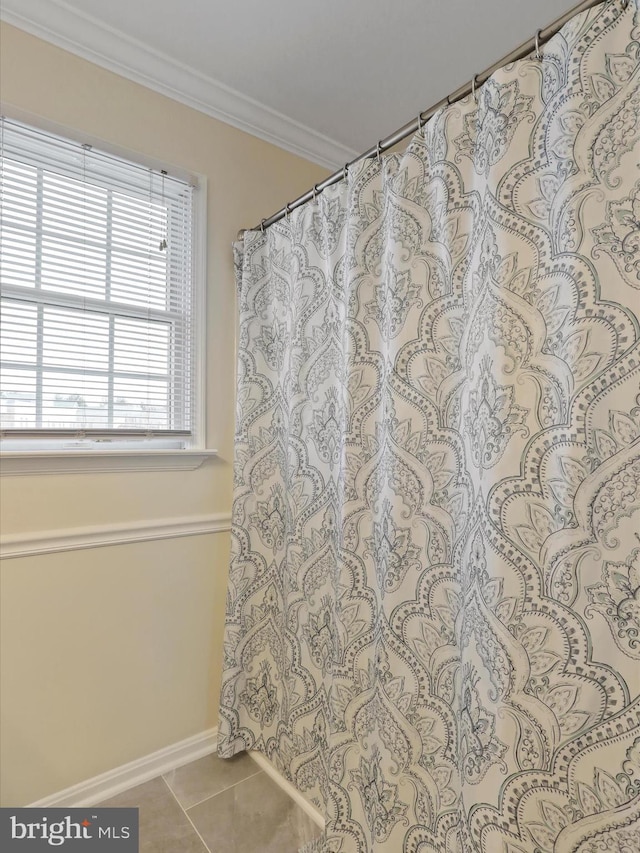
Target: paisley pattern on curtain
433	618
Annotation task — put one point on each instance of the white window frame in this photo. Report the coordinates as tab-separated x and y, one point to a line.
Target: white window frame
76	455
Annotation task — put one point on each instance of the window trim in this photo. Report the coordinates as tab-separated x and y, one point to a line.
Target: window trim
37	461
17	463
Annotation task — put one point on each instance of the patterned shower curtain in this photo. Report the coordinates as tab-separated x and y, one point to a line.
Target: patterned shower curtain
433	621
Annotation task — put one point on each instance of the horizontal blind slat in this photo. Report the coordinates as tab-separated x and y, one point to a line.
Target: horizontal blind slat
96	321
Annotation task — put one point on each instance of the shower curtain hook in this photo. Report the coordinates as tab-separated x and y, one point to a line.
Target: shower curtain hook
315	191
287	210
419	122
262	225
345	172
473	88
538	54
378	150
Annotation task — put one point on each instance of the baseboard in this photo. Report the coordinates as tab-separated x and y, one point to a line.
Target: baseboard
148	767
134	773
263	762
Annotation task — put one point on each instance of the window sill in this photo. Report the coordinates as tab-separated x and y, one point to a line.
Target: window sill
14	463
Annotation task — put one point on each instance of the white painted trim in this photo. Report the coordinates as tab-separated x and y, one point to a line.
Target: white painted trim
134	773
17	463
107	535
86	36
199	316
263	762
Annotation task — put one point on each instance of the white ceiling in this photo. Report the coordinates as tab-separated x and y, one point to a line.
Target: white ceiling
323	78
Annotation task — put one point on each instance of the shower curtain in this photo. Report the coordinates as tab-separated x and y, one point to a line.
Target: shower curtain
433	617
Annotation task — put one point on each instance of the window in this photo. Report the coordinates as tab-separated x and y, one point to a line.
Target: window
97	329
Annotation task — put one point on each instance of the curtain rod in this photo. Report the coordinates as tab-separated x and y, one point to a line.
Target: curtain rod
530	46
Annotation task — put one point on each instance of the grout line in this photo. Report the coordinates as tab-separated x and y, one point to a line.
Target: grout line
206	846
228	788
184	812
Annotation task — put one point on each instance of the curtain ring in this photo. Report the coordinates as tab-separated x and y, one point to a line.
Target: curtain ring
262	225
419	122
345	172
538	54
379	150
287	210
473	88
315	191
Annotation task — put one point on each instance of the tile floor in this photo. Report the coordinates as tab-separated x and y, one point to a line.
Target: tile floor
216	806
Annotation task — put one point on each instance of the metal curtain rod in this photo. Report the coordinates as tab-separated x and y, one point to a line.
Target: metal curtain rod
530	46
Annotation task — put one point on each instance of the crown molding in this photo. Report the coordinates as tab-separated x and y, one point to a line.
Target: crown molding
56	22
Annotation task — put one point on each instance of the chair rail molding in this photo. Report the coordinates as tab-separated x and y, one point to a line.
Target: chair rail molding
31	544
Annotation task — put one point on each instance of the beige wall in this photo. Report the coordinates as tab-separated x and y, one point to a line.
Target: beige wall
109	654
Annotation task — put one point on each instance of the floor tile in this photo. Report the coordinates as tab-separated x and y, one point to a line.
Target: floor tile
255	816
208	776
164	827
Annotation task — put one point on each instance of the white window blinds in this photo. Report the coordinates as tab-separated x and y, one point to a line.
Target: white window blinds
96	288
